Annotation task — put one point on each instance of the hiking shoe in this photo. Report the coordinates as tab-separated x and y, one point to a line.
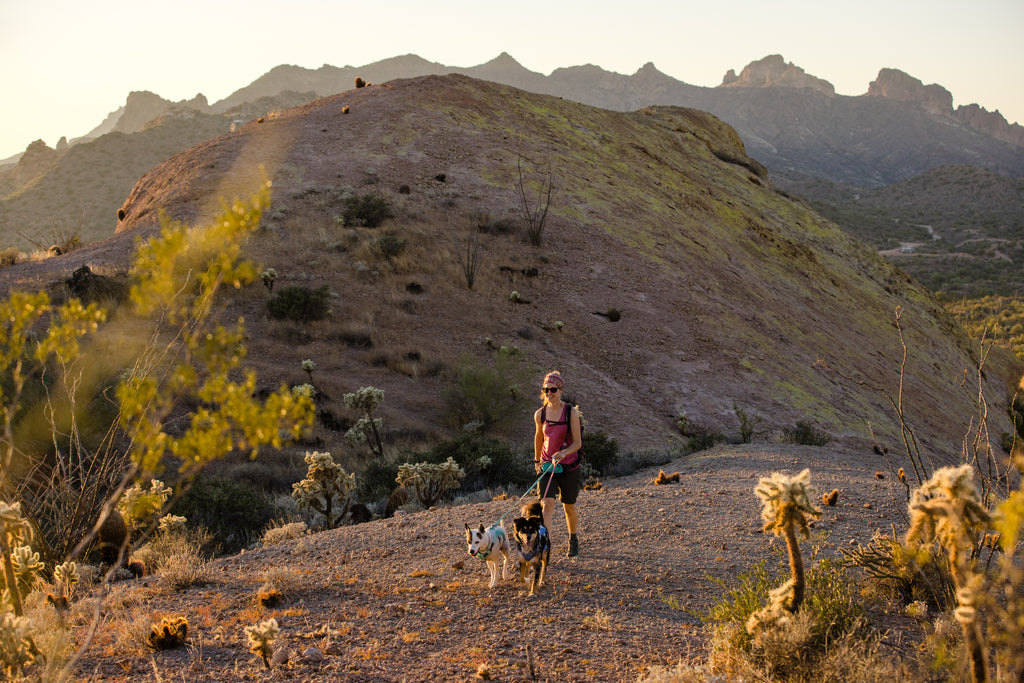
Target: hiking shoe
574	547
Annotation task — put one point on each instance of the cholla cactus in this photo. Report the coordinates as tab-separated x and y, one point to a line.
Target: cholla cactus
947	508
368	429
308	366
172	524
430	480
65	578
15	644
786	505
141	507
14	532
261	639
268	276
326	488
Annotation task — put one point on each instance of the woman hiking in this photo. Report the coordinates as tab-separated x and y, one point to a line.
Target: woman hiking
555	450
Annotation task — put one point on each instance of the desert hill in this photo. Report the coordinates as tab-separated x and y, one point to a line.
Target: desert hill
728	291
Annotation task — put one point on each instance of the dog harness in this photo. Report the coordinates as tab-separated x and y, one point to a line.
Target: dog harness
499	534
542	544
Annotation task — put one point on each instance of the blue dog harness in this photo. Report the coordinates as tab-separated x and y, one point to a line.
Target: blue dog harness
543	543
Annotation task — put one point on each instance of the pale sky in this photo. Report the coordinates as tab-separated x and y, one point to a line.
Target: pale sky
66	64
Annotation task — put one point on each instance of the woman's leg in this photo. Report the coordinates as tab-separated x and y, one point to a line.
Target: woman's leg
571	519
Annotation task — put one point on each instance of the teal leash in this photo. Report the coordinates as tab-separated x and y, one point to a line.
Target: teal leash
535	483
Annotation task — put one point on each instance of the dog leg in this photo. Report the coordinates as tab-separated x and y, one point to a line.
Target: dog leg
493	567
504	563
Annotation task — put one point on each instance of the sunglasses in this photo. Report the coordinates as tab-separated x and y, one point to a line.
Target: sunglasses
549	390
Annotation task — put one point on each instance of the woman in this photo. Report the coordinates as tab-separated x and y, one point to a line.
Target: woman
555	443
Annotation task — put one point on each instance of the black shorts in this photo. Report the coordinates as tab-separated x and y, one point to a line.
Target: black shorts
567	483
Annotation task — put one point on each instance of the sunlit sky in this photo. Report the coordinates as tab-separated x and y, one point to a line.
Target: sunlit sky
66	64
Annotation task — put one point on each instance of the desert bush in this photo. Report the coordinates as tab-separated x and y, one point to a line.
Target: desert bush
9	256
805	434
698	437
486	394
326	489
389	246
748	424
377	480
905	574
487	462
367	210
233	512
300	303
794	649
277	533
602	451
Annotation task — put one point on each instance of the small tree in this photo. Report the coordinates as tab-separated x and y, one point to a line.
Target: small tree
467	252
367	431
430	481
786	505
535	214
326	488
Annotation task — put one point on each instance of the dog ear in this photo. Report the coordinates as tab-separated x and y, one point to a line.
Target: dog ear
467	526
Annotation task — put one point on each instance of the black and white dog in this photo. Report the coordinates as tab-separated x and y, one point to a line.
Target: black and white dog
533	546
490	544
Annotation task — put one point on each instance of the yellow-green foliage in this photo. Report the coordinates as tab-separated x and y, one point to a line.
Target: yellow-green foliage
325	489
430	480
202	361
23	355
999	319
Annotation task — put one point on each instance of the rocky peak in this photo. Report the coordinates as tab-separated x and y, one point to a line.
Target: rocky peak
37	159
990	123
143	106
894	84
773	70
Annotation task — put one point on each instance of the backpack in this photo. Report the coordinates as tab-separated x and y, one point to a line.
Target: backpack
580	455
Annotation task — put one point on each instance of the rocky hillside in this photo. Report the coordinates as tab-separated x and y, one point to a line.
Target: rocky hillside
728	292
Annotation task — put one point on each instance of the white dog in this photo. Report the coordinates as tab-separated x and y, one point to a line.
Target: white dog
489	544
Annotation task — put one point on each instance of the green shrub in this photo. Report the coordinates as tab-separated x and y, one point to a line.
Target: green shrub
377	480
486	394
390	246
792	649
299	303
805	434
368	210
602	451
234	513
487	462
